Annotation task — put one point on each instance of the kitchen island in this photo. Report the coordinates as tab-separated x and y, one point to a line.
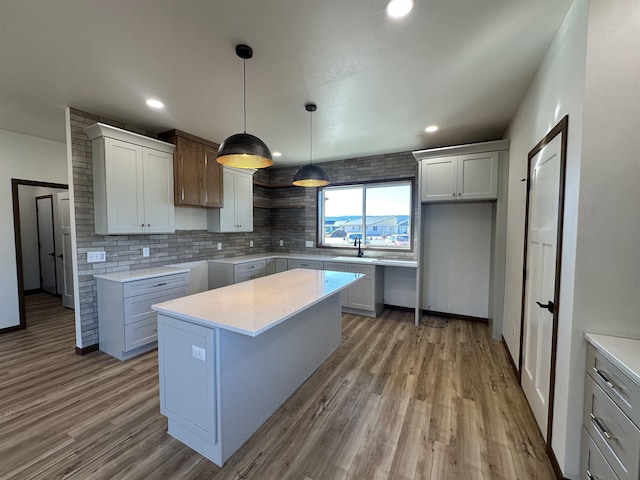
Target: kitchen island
229	357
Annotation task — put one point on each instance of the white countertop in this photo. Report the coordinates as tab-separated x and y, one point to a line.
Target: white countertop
255	306
141	274
623	352
386	262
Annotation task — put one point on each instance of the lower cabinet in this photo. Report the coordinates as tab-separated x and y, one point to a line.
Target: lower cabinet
366	296
126	324
222	274
308	264
611	434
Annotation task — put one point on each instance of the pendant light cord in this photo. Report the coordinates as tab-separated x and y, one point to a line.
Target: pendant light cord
310	138
244	92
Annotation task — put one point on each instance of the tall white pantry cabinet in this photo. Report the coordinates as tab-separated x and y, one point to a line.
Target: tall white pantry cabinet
132	182
236	214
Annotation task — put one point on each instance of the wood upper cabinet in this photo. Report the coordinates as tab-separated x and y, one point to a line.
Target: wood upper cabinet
197	174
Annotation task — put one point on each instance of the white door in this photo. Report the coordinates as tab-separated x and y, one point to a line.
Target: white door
65	254
46	244
478	176
439	178
544	179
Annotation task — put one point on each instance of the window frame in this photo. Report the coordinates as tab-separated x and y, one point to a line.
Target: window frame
410	181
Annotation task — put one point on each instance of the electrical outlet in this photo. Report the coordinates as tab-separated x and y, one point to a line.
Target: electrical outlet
308	243
251	243
93	257
199	353
452	249
282	243
145	251
219	246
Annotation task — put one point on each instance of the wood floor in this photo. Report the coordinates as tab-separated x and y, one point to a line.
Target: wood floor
394	402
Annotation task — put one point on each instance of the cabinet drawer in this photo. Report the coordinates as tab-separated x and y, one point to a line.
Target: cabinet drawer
250	275
336	266
622	390
149	285
250	267
612	431
139	307
594	466
140	333
365	269
308	264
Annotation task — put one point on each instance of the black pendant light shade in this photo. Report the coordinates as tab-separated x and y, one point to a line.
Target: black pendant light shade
310	175
244	150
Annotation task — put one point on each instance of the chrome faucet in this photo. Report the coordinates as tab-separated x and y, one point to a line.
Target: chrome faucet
358	243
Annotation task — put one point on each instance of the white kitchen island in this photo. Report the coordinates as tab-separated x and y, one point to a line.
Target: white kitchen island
229	357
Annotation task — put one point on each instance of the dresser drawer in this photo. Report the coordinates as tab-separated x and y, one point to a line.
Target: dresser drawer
308	264
612	431
622	390
150	285
138	307
140	333
594	466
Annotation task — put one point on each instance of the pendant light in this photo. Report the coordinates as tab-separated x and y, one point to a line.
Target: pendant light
244	150
310	175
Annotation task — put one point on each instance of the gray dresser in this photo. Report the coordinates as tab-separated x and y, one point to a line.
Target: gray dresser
611	424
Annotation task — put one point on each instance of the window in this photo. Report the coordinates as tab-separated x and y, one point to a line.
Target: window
376	214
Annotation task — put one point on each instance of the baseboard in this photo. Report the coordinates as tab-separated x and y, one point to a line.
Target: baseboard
554	464
402	309
11	329
89	349
513	365
33	291
455	316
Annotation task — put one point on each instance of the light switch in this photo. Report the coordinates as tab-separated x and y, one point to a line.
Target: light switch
145	251
93	257
199	353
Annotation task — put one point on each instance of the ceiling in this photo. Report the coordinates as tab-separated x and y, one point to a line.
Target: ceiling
461	64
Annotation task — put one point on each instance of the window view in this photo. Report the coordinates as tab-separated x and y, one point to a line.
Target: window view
378	215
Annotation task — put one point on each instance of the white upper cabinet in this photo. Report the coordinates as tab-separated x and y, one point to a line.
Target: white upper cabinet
132	182
237	213
472	176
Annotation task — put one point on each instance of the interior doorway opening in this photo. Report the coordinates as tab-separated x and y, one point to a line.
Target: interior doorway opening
39	242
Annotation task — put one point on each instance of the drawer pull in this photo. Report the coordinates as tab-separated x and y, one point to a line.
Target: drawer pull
589	476
604	378
603	430
160	284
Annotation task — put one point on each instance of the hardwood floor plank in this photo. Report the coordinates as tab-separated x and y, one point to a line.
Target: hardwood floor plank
395	401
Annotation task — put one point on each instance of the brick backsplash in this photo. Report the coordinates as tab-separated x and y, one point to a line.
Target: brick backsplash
124	252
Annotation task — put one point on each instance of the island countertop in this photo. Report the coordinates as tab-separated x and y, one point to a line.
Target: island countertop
255	306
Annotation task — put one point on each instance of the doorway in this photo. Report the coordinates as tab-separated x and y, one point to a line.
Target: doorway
38	238
541	274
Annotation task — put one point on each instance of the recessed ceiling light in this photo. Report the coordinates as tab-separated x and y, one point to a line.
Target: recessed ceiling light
431	129
154	103
276	154
399	8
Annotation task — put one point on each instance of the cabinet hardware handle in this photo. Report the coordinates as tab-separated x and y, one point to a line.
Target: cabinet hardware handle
597	423
148	224
589	476
604	378
160	284
454	194
142	224
182	193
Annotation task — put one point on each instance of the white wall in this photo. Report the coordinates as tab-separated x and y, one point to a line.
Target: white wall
26	158
458	281
557	90
607	260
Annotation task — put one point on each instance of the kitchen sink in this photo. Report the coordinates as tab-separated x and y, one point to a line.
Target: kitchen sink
355	259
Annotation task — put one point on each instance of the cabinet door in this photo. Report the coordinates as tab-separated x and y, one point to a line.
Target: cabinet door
188	170
124	187
244	202
158	191
340	267
228	212
439	177
212	179
478	176
362	293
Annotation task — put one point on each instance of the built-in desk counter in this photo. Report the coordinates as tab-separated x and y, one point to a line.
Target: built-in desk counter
229	357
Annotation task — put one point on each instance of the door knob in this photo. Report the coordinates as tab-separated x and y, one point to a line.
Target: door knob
549	305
